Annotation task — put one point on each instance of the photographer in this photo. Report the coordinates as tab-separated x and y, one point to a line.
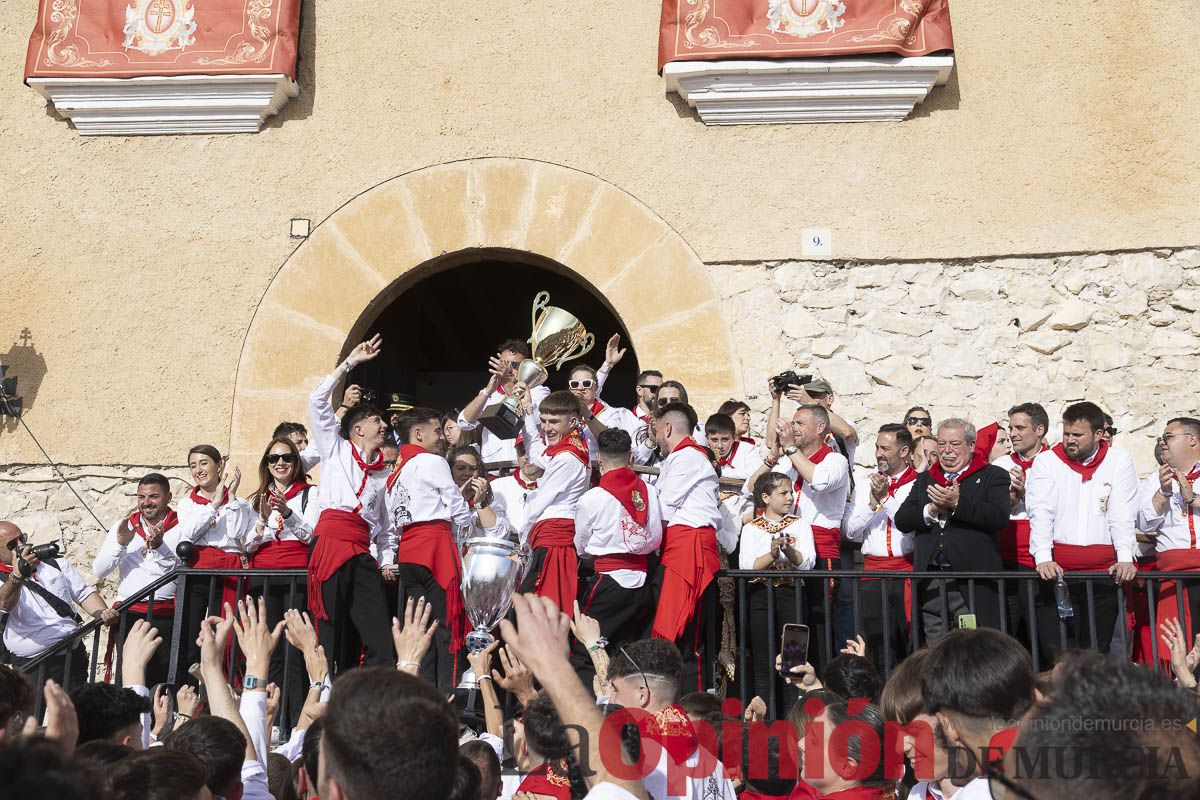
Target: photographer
35	601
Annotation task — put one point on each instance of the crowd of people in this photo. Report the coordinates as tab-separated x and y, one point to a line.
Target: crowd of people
629	515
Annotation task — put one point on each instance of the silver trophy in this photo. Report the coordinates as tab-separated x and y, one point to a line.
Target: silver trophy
492	569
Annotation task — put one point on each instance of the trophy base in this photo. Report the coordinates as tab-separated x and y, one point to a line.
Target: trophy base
501	421
478	640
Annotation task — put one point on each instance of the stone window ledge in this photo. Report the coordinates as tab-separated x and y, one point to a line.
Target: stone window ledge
158	105
876	88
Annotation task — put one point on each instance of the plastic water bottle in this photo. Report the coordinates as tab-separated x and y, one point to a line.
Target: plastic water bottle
1062	598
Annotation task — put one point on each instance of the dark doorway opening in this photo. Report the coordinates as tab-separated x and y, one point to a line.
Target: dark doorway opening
439	333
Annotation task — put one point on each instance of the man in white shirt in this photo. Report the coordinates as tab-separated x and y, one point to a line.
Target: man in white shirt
884	546
617	525
427	510
1170	507
344	580
35	606
135	547
687	489
1082	498
517	489
502	382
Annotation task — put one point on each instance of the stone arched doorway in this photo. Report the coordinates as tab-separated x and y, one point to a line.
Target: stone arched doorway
366	254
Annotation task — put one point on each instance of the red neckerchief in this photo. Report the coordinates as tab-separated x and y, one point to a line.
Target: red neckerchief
728	460
571	443
629	490
856	793
1195	473
596	407
522	483
202	500
908	476
407	451
168	522
5	569
815	458
688	441
985	440
367	469
747	440
1086	471
939	475
548	779
1024	464
672	729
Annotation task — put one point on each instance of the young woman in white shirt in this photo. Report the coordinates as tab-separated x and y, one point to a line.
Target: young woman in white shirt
777	541
287	513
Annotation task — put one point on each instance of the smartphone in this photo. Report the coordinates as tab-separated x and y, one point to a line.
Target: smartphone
966	620
793	644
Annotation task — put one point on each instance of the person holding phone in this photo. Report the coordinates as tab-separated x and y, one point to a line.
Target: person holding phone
777	541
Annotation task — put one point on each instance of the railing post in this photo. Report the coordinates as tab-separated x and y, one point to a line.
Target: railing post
177	623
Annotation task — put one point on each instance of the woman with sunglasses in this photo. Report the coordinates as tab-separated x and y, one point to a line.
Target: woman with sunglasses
597	415
287	513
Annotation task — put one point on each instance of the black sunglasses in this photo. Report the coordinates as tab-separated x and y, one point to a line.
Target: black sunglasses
287	458
926	421
651	386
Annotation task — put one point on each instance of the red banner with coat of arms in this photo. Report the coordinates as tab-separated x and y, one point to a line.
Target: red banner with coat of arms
697	30
132	38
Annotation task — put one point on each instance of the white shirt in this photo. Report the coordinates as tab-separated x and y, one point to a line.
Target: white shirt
33	624
562	484
296	528
1063	508
516	499
821	501
687	489
612	417
1178	527
714	786
492	448
744	459
227	528
919	791
977	789
604	527
1006	463
756	542
342	478
425	491
135	571
877	529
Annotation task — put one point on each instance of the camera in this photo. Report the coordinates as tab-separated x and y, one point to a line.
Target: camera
369	396
783	380
44	552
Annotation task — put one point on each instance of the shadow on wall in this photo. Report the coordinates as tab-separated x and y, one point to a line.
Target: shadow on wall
306	70
941	98
28	366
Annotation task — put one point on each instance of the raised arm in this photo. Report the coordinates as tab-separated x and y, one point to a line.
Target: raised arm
323	420
468	418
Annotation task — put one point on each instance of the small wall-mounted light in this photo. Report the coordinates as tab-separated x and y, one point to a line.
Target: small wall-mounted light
300	228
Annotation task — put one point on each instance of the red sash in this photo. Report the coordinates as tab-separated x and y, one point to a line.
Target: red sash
690	561
1168	605
629	490
615	561
162	608
431	545
893	564
1137	613
290	554
1085	471
828	541
547	780
216	558
1013	543
559	576
1084	557
340	536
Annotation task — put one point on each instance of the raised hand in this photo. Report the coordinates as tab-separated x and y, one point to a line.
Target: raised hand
1173	638
214	633
274	698
879	487
255	637
613	352
501	371
352	396
125	529
62	723
797	394
585	628
187	700
480	661
366	351
855	647
516	677
162	708
784	433
802	676
232	480
412	641
141	642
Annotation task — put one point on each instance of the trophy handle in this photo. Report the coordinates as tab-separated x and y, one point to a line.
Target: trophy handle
540	301
584	347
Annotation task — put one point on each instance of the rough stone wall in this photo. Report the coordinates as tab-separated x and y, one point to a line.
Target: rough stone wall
974	338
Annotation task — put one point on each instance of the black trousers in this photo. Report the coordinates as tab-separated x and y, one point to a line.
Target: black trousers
821	596
623	615
356	601
439	666
873	596
698	657
202	597
1102	615
767	616
1017	596
287	669
56	668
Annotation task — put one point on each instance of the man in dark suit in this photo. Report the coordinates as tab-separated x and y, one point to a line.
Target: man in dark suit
955	511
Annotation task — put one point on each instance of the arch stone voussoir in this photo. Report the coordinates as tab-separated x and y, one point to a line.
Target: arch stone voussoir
383	240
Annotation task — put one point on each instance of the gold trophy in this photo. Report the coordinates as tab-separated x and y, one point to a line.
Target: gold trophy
558	336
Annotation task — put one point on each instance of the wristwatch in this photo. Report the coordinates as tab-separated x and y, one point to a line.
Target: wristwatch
251	682
791	450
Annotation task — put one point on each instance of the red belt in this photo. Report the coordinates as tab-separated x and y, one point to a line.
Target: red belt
162	608
340	536
1085	557
430	544
893	564
288	554
1013	543
828	542
215	558
689	560
612	562
559	576
1179	560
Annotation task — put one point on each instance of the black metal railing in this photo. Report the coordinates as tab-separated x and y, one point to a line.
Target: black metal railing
846	600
